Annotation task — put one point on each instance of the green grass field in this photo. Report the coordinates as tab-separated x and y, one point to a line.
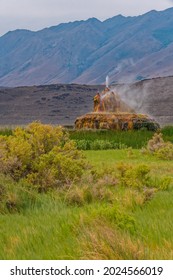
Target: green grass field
120	223
105	139
121	208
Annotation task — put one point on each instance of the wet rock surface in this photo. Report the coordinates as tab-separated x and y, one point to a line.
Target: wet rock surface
115	121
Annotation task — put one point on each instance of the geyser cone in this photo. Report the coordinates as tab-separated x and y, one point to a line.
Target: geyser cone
110	112
110	101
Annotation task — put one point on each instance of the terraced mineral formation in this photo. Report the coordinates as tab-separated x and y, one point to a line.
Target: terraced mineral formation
110	112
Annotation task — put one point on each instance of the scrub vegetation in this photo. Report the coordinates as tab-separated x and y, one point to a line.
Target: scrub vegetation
63	203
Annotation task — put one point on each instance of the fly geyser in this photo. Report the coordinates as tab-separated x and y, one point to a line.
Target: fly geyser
110	112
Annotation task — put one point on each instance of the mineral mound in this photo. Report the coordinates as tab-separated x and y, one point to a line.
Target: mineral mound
110	112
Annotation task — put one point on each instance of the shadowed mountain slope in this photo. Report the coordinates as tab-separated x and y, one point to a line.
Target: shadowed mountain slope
126	48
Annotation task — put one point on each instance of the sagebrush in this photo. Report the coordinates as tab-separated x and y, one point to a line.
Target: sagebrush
41	154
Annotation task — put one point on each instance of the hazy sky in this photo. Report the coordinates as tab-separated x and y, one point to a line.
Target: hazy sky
37	14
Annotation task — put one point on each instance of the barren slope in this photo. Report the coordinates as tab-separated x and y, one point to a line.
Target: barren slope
61	104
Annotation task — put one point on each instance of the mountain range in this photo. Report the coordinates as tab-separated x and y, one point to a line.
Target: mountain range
127	49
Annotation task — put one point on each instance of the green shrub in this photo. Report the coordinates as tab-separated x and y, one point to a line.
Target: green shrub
119	217
165	152
162	183
155	143
83	144
134	177
139	177
100	145
158	147
41	154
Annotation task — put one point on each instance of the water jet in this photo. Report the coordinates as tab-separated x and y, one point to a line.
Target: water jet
110	112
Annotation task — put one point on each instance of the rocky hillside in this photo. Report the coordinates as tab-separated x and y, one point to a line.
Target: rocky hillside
126	48
62	104
55	104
